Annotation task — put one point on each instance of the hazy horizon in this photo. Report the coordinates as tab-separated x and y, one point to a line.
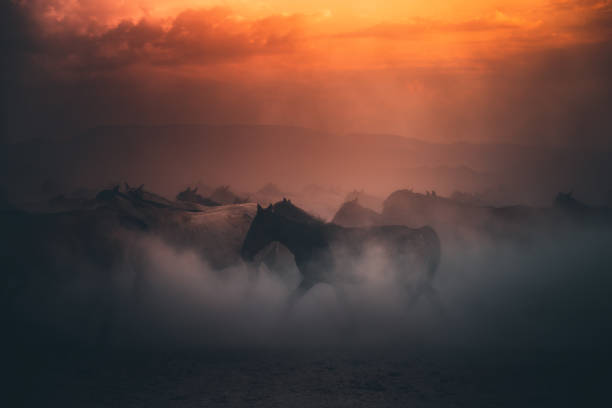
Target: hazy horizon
169	158
415	138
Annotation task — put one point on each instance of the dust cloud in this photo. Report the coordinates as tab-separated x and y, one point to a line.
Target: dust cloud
551	292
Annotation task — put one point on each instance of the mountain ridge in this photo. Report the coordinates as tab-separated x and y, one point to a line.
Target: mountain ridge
169	157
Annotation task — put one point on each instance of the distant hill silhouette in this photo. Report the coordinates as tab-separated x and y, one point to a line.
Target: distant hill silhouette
168	157
270	189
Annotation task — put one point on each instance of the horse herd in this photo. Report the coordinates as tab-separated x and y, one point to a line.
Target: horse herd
324	252
222	235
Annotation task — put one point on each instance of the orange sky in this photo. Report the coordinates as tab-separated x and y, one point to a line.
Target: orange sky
397	66
348	34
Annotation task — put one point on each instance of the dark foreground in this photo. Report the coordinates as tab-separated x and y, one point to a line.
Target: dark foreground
312	378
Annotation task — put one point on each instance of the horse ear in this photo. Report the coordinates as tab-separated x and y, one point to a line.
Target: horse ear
284	199
195	189
269	207
259	209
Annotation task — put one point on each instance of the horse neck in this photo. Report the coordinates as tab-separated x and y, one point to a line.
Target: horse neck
300	238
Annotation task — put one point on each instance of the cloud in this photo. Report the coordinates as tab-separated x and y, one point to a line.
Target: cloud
73	69
422	26
193	37
581	4
499	32
503	76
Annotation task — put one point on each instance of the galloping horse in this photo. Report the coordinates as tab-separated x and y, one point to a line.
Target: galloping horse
320	248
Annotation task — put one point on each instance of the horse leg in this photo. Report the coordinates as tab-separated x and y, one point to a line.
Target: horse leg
425	289
300	291
252	270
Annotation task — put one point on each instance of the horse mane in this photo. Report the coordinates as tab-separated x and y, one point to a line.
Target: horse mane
287	209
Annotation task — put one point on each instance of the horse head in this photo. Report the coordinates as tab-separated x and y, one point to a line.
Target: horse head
261	233
287	209
281	222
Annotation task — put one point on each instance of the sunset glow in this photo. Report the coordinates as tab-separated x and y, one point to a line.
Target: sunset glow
330	34
389	66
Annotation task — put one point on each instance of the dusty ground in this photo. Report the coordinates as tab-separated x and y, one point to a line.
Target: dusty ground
309	378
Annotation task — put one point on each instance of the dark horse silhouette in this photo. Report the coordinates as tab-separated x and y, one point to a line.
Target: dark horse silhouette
321	249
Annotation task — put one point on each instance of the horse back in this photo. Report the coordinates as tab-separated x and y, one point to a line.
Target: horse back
388	236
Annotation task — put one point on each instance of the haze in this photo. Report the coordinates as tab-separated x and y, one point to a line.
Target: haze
523	72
